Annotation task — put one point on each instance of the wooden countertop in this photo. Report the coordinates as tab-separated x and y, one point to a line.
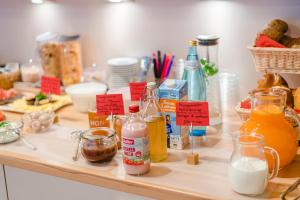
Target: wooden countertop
172	179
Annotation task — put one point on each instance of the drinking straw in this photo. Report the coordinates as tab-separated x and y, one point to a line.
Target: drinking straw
164	61
156	61
165	70
155	68
170	66
159	59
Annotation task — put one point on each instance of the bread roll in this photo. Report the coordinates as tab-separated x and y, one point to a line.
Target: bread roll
275	29
279	25
286	40
273	33
294	43
271	80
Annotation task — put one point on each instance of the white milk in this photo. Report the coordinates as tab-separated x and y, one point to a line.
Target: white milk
248	175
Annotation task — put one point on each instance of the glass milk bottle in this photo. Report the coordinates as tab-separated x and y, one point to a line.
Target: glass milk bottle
135	143
155	120
248	169
208	51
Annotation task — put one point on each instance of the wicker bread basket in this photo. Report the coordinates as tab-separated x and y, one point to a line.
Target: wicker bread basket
284	60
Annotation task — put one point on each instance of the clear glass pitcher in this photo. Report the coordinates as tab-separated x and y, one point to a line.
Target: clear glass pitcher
269	118
248	169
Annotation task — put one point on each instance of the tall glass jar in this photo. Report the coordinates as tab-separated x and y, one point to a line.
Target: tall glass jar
156	122
208	51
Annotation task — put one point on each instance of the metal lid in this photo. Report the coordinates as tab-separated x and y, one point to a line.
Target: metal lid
207	40
66	38
45	37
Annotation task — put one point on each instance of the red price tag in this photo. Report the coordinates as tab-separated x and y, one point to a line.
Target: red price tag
110	104
137	90
192	112
50	85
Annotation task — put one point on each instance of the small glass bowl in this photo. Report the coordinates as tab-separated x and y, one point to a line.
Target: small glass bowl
10	132
98	144
39	121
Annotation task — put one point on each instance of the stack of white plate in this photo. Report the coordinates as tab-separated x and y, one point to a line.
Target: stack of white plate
122	71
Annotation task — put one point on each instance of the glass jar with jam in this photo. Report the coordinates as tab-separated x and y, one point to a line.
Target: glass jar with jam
97	147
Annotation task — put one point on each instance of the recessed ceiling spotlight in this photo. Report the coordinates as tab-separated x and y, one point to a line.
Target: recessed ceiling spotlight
37	1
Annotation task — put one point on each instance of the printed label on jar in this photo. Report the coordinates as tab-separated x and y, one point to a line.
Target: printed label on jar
135	150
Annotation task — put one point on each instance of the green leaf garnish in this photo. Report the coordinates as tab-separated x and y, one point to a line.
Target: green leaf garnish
209	69
40	96
4	124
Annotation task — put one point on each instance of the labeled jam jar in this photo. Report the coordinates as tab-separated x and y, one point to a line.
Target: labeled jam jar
97	147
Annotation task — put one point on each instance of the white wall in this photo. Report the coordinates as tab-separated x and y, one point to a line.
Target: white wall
140	27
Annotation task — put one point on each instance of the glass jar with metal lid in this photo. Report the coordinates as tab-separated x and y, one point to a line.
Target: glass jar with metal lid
98	144
208	52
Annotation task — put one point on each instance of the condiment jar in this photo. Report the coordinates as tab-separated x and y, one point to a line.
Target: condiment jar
98	144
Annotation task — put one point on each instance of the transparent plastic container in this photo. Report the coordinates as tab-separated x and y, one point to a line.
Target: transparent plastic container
60	57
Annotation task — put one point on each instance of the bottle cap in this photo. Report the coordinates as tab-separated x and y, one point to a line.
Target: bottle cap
134	108
193	43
